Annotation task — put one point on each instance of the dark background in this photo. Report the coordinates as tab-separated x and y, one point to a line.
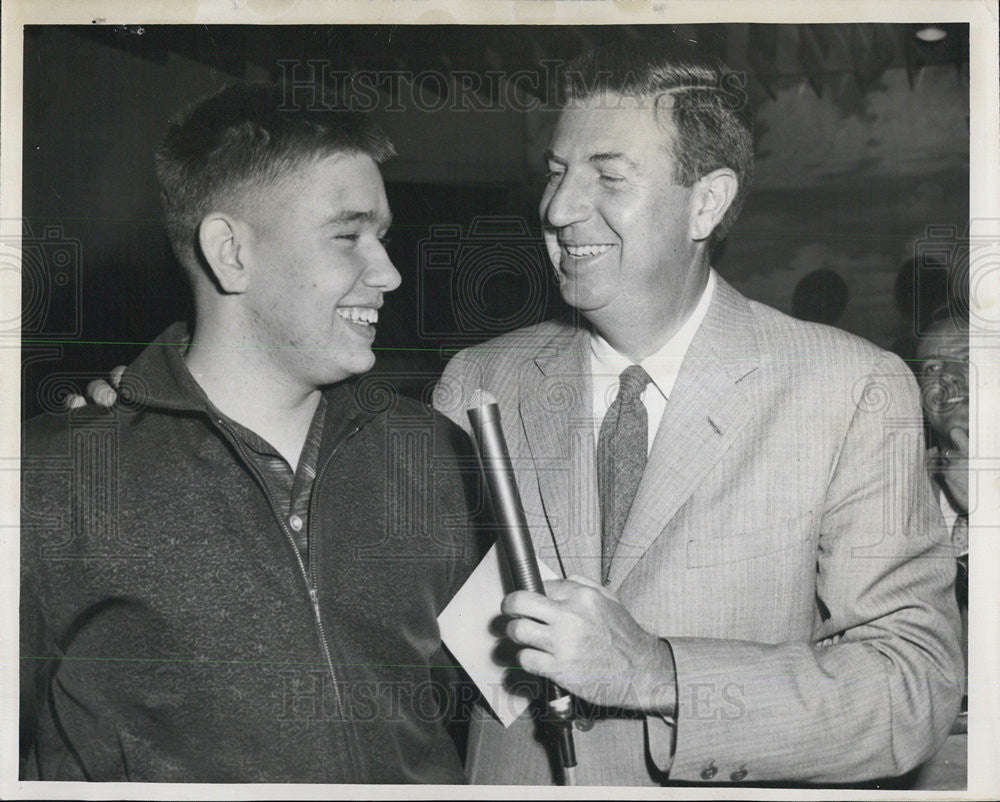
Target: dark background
862	165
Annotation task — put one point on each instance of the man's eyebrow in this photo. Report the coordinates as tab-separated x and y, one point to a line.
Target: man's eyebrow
595	158
356	216
599	158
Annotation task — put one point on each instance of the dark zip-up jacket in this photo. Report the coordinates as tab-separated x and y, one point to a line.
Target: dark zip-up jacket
171	631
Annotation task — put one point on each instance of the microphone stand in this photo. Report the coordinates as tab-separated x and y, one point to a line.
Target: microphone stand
495	464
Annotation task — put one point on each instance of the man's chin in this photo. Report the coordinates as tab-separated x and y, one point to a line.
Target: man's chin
355	365
578	296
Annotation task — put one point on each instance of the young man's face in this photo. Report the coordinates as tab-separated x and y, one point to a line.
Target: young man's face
319	269
616	226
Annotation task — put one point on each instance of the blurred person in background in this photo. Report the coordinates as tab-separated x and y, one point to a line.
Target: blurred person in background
942	369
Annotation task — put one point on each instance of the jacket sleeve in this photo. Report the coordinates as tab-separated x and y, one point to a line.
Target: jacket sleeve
43	754
876	690
41	496
31	663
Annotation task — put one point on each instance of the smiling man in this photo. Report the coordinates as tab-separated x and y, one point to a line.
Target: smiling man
756	586
943	375
234	574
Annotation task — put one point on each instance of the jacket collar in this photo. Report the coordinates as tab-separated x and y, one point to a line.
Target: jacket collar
556	415
707	408
710	405
160	378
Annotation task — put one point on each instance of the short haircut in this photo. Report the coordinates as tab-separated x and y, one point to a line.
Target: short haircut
238	142
707	103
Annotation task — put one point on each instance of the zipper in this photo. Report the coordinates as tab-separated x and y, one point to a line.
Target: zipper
311	579
308	576
312	496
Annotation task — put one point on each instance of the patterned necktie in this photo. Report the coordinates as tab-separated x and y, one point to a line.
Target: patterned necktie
621	459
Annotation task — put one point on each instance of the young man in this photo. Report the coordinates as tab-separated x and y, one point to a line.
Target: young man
757	585
234	575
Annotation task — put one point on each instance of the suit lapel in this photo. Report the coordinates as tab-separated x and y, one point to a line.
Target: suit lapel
706	409
556	414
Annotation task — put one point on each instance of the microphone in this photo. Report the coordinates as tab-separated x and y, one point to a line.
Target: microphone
494	462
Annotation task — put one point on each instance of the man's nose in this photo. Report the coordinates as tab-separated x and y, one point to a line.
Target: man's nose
956	375
569	202
947	393
381	273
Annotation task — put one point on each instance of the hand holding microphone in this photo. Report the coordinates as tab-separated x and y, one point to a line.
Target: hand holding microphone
579	636
494	460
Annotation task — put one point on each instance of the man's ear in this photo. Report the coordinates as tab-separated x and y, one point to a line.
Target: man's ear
711	196
220	237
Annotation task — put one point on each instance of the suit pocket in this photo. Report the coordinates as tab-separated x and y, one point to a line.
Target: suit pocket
743	546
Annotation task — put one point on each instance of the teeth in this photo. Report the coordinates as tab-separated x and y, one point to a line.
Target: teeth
359	314
580	251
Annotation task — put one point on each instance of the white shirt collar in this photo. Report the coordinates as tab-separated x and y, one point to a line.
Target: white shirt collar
663	365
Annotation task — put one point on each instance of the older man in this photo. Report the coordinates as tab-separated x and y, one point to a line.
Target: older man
235	574
755	587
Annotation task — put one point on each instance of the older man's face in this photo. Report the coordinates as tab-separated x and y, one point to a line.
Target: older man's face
615	224
943	354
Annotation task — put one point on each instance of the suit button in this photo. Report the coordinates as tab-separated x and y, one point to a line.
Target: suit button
583	724
709	771
739	774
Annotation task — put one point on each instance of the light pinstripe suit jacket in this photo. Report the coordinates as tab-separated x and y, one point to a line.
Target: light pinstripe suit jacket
784	538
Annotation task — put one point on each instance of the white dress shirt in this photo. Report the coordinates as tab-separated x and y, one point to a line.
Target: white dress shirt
606	365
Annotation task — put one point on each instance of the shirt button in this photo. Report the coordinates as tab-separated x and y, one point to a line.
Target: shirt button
709	772
295	522
740	774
